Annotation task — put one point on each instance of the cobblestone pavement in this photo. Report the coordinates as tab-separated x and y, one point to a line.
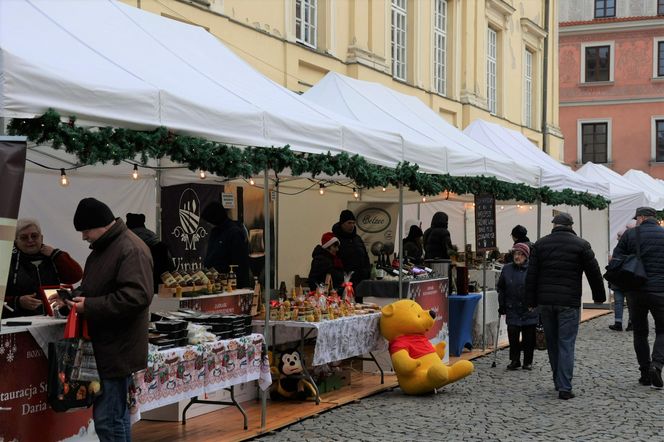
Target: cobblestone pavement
494	404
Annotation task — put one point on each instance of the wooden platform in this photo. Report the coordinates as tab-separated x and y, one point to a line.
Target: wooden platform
226	424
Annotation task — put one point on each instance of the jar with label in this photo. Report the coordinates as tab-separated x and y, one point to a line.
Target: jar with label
178	278
168	279
186	280
202	277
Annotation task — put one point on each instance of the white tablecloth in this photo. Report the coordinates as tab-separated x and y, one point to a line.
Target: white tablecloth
341	338
44	329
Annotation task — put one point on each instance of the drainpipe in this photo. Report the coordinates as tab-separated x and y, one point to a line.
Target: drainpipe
545	77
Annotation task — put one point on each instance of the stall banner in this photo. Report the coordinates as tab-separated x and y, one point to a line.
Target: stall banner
24	411
12	167
377	225
182	228
431	294
239	304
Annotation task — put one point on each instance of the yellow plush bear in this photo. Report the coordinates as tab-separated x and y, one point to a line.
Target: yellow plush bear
418	365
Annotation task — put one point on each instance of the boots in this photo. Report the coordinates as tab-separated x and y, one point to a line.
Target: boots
514	365
616	327
629	326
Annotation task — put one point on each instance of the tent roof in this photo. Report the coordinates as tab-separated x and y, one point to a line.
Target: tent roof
652	187
512	144
448	148
111	64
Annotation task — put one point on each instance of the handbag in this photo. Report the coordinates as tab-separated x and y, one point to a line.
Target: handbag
540	338
627	273
73	379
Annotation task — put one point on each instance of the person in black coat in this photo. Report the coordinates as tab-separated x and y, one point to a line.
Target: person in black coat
650	296
557	264
161	255
412	245
227	244
520	320
352	252
519	235
325	261
437	241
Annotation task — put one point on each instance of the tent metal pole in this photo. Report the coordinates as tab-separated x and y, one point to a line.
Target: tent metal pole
157	184
580	221
266	285
400	240
276	229
608	229
539	219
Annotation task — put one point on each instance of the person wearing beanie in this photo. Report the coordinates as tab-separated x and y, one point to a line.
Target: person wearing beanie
437	239
519	235
413	245
161	254
227	244
35	264
554	285
325	261
352	252
114	297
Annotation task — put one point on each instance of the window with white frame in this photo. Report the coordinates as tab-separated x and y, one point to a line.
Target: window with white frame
659	58
528	88
399	39
660	7
306	21
440	46
492	70
658	139
595	142
597	59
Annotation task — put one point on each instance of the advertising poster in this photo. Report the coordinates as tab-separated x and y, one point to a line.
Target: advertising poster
431	294
378	227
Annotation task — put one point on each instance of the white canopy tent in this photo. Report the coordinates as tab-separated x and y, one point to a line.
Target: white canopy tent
624	195
450	150
652	187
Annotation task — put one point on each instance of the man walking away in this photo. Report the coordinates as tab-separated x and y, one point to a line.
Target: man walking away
557	263
649	297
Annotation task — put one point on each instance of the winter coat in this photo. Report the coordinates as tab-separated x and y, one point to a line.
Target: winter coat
437	241
353	254
512	296
322	263
117	286
228	245
161	255
652	253
29	272
556	265
412	251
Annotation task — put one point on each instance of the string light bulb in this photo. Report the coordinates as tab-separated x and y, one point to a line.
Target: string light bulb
518	206
424	199
502	207
322	189
134	173
202	174
64	181
384	189
251	181
355	193
530	207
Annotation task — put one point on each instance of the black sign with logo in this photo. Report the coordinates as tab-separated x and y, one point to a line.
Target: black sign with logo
183	230
485	222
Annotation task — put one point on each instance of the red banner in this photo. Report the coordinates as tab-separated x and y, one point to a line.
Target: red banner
237	304
431	294
24	413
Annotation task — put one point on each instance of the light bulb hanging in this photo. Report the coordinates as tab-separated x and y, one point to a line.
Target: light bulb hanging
322	189
384	189
202	174
64	181
251	181
134	173
355	193
424	199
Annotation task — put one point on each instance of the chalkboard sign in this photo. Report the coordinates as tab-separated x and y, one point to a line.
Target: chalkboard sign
485	222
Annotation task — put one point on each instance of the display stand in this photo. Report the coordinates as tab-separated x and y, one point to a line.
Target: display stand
237	301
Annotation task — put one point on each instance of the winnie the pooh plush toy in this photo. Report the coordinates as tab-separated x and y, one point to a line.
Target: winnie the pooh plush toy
418	365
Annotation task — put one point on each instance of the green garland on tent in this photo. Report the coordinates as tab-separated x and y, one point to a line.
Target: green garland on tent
115	145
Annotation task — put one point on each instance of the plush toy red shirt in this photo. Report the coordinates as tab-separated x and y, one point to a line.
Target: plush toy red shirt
416	345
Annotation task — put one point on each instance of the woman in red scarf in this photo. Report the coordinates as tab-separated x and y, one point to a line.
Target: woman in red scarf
325	261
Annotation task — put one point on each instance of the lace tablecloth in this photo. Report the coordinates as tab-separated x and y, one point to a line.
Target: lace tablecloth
184	372
342	338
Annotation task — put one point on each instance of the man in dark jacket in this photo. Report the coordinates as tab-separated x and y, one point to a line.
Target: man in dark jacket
437	242
161	255
227	244
557	264
114	297
352	252
649	297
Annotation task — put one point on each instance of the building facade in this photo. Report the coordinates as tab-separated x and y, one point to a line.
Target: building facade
612	83
466	59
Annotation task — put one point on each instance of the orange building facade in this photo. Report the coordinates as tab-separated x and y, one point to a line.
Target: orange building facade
612	84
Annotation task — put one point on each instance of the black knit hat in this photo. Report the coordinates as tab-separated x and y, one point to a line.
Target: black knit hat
346	215
135	220
92	213
519	231
214	213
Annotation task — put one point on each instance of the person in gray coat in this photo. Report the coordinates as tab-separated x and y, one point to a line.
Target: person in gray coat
520	320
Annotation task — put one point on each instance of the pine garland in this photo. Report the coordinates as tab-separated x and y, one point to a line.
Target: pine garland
107	144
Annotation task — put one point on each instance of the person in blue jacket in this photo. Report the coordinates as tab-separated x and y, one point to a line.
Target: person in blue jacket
521	321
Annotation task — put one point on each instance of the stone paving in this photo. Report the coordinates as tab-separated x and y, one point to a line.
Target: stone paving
494	404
